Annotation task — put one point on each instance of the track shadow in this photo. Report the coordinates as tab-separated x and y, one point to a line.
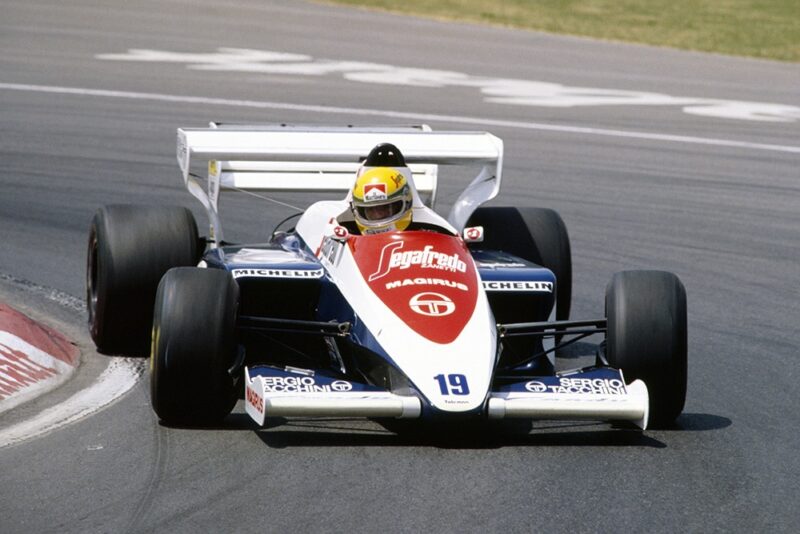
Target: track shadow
484	435
279	432
699	422
234	421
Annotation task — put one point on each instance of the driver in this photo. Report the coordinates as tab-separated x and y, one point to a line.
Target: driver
381	197
381	201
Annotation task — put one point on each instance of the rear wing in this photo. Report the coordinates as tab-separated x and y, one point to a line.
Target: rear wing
306	159
303	176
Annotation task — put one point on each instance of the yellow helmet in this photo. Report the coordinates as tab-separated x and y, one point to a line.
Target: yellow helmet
381	200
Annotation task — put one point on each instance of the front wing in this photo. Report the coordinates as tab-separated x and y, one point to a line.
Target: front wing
299	392
592	393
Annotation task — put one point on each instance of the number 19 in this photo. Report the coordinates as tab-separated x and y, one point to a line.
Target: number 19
452	384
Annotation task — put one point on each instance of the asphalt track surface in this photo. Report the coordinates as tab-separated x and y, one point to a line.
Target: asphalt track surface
725	219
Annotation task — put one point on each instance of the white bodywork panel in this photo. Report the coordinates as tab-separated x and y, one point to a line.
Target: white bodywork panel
471	354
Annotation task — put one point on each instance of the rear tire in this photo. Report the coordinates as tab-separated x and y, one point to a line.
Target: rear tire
538	235
194	345
646	337
130	249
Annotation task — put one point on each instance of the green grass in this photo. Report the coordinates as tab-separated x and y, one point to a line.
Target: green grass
757	28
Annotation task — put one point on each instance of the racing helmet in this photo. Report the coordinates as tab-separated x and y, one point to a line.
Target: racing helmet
381	200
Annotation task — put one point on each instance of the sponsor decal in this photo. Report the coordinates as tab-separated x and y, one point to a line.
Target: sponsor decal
534	386
397	179
427	258
546	287
277	273
374	192
426	282
583	386
330	250
473	234
341	385
450	400
254	399
214	173
432	304
303	384
340	232
183	152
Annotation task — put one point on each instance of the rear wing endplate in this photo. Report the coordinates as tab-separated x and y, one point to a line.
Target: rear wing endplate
297	159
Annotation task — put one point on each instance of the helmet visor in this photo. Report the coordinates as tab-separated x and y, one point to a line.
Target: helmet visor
380	212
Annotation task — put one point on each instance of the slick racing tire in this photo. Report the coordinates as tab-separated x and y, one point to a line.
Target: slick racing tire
538	235
130	249
194	345
646	338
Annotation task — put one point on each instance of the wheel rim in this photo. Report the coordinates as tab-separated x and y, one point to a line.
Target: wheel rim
91	282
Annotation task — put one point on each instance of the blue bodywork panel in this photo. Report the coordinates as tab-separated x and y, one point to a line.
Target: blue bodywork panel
284	258
500	271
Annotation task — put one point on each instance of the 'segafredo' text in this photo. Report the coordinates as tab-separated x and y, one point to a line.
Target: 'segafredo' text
427	258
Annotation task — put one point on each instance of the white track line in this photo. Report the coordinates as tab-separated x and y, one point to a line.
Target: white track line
117	379
157	97
59	297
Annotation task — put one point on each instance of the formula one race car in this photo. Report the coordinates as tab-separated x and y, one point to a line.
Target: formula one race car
456	317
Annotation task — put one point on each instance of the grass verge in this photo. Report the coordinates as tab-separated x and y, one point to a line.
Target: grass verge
757	28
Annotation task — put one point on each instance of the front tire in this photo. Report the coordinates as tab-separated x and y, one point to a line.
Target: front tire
194	345
130	249
647	337
538	235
